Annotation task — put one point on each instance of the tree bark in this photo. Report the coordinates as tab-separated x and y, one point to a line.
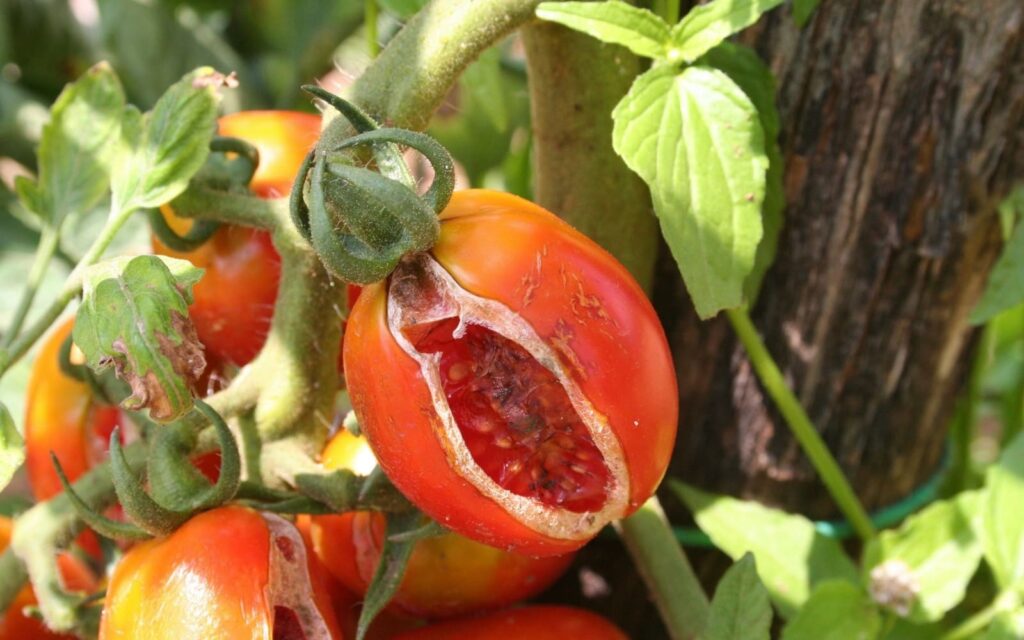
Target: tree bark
902	129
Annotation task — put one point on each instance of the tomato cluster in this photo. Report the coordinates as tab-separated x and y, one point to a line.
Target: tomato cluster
514	383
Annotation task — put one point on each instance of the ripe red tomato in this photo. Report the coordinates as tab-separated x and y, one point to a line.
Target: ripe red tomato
226	573
62	416
515	382
234	301
447	575
535	623
14	624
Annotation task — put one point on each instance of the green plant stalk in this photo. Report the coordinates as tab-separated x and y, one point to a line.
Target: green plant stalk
800	424
413	74
577	173
665	570
370	20
960	475
50	526
72	287
45	251
1005	601
668	10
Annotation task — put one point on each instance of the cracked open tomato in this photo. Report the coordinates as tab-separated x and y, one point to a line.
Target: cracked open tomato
226	573
514	382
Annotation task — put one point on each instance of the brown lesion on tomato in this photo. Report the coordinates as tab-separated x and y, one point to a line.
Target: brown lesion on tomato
530	281
561	342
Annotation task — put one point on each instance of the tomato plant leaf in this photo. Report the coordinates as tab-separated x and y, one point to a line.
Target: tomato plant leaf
740	609
615	22
753	76
483	79
1002	534
709	24
134	316
792	556
695	138
394	557
165	147
802	11
12	448
1005	288
75	147
940	550
836	610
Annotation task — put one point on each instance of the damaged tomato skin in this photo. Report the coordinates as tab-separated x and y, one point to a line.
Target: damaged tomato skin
234	301
447	575
535	623
208	579
580	301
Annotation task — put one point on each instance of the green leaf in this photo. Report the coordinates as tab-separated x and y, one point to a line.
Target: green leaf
615	22
12	448
836	610
162	149
709	24
75	149
394	557
792	557
1005	288
134	316
695	138
740	608
1002	532
753	76
802	10
940	549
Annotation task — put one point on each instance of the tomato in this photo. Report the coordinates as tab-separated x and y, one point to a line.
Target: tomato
515	382
226	573
62	416
535	623
447	575
234	301
14	624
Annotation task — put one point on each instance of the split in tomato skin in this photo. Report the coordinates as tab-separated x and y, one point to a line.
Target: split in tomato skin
447	575
226	573
14	624
537	282
535	623
234	302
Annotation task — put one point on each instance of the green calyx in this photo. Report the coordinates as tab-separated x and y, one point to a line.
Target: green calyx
177	490
361	222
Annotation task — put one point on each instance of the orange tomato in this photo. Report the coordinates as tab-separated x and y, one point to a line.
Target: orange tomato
534	623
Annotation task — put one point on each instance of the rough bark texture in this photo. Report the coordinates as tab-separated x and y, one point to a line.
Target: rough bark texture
902	130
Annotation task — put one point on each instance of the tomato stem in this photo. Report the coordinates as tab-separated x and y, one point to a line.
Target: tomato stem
800	424
668	10
45	250
663	565
577	173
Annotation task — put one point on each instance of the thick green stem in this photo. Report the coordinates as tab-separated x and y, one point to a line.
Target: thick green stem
668	10
666	571
410	78
800	424
44	253
577	174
